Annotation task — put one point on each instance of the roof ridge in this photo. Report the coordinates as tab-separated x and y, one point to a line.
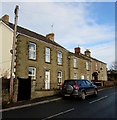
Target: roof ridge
28	29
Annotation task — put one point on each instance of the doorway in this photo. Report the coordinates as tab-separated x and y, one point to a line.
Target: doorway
95	76
24	89
47	79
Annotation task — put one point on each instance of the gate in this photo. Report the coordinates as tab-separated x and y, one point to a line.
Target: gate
24	89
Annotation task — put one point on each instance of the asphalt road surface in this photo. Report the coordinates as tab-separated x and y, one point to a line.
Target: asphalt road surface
104	106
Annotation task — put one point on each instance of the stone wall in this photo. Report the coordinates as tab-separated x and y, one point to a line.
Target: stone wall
110	83
5	90
39	94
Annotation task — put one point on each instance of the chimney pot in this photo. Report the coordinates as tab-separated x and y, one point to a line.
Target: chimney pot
50	36
77	50
87	52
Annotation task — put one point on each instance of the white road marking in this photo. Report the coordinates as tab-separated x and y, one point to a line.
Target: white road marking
98	99
28	105
52	116
115	93
42	102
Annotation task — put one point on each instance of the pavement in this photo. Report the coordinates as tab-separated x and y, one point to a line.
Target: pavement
27	103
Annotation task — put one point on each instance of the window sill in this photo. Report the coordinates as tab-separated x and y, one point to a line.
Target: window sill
60	64
48	62
32	59
75	67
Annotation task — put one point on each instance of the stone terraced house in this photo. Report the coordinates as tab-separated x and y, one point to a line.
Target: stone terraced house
48	64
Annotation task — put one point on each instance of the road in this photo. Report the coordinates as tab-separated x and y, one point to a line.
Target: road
103	106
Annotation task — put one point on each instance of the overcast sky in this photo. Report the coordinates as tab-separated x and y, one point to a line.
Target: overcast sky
90	25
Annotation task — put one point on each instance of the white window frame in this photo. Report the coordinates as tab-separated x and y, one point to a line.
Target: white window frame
102	76
87	65
59	56
87	77
32	51
47	54
75	62
33	72
59	76
75	74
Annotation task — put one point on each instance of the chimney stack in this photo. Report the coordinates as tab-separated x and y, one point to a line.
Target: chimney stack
5	18
77	50
50	36
87	52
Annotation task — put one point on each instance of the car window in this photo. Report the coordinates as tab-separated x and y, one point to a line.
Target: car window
88	83
69	82
84	83
81	83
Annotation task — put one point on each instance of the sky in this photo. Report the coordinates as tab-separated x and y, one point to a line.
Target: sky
87	24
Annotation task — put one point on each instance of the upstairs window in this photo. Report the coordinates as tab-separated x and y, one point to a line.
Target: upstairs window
47	55
32	51
32	72
59	58
75	63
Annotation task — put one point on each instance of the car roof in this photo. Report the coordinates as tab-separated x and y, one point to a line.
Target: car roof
75	79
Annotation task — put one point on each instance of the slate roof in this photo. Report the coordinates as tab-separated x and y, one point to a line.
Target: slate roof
79	55
82	56
33	34
43	38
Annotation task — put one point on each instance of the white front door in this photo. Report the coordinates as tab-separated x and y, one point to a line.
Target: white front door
47	79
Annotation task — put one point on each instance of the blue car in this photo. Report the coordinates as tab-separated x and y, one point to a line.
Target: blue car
78	87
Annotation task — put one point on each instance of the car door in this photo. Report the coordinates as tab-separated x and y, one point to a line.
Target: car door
82	85
89	87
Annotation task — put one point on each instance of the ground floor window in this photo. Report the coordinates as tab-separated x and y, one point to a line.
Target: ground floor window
75	74
87	77
59	77
102	77
32	72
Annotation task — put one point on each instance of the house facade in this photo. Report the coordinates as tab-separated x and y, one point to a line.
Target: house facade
6	39
99	70
79	67
48	64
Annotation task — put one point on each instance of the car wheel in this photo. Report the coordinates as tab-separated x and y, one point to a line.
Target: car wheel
95	92
83	96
